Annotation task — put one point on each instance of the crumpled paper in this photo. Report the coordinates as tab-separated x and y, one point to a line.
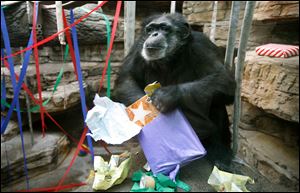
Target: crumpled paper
108	121
147	182
227	182
112	173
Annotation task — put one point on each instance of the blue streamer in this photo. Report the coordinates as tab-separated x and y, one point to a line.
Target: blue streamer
16	87
81	89
21	78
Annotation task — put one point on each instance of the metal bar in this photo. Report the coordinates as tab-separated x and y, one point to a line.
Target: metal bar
234	19
129	25
173	7
213	21
240	69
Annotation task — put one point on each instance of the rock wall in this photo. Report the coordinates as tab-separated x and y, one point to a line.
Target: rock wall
272	84
269	134
46	154
67	94
273	21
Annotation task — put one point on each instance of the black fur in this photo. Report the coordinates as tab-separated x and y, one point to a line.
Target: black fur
193	78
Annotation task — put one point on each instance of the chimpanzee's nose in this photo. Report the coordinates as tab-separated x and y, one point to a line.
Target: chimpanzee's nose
154	34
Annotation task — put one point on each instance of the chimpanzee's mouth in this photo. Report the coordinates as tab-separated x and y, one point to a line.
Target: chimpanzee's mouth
155	47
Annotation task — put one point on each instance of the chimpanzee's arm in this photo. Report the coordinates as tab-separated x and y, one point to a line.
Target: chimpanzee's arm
218	87
127	90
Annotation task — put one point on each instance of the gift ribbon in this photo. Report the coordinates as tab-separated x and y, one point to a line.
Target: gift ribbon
25	67
57	82
51	189
107	59
54	35
36	101
69	40
80	81
23	71
85	129
73	159
16	88
108	30
37	67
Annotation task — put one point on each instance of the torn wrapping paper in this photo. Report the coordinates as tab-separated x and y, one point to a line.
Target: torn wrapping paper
112	173
147	182
169	142
108	121
142	111
227	182
150	88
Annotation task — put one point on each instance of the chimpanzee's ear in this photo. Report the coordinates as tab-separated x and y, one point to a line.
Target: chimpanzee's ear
186	32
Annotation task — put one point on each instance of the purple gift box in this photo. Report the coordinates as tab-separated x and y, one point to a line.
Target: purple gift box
169	142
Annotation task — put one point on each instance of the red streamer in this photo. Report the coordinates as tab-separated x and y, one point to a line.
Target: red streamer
56	34
73	159
35	45
69	40
51	189
79	146
36	58
37	102
116	18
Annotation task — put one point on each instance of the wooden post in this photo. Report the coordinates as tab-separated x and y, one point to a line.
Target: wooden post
59	22
213	21
173	7
234	19
129	25
239	70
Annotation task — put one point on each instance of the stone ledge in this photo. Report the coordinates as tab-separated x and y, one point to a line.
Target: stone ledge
276	10
268	154
45	155
272	84
67	94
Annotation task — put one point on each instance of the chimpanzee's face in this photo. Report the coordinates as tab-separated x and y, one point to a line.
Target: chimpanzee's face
161	39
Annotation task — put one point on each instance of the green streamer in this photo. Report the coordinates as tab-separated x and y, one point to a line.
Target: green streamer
57	82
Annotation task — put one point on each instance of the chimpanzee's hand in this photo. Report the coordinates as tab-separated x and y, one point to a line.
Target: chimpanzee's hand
166	98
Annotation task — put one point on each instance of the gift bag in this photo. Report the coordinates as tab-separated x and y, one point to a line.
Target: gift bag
170	142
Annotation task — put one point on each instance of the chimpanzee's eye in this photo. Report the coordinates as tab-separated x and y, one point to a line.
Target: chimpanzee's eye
165	28
149	29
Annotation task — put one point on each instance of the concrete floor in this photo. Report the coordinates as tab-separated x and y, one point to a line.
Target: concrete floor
195	174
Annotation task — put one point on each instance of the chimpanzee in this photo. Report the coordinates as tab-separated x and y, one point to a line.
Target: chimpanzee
192	75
